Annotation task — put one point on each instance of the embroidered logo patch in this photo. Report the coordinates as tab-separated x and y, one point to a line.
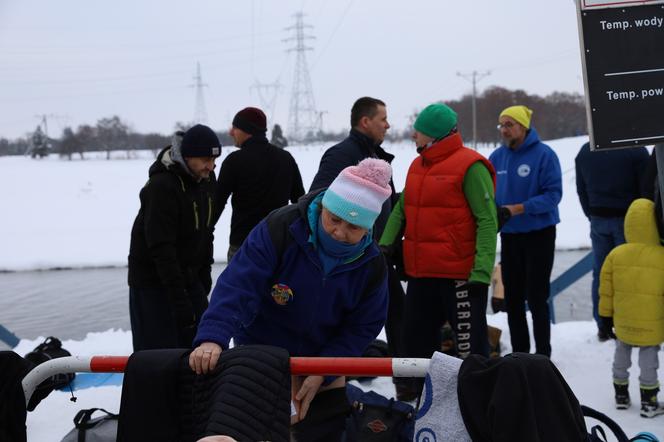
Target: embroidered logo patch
523	170
353	213
282	294
377	426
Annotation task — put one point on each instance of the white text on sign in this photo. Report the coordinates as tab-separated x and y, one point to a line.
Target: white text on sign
633	95
652	22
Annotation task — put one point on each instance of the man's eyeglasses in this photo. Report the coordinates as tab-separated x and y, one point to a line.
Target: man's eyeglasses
506	125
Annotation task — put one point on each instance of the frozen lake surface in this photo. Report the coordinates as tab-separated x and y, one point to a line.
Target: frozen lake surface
70	303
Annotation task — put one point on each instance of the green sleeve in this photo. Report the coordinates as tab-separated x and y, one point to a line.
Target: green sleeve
478	189
394	224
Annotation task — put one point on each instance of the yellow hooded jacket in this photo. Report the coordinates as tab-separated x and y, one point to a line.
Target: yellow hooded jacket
631	284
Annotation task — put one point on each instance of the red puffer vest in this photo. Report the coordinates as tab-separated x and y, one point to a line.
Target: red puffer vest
439	241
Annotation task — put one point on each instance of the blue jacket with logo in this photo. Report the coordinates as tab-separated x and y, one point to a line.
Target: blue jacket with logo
529	175
287	301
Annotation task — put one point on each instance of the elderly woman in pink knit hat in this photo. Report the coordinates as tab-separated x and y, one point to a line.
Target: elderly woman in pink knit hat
309	278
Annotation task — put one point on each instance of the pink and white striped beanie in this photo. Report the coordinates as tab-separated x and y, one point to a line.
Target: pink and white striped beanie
357	194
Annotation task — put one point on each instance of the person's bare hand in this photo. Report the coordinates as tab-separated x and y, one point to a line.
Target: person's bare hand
515	209
303	391
204	358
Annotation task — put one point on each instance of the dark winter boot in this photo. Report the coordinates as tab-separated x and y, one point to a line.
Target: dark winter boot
649	405
622	395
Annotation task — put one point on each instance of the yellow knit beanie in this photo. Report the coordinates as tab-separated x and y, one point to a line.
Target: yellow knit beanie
521	114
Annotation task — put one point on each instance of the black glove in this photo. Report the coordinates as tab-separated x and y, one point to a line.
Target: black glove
474	288
183	310
504	215
606	326
497	304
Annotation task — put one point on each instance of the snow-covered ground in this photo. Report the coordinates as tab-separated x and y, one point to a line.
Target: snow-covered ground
79	214
76	213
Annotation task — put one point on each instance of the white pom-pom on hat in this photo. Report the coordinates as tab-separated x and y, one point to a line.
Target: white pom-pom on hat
374	170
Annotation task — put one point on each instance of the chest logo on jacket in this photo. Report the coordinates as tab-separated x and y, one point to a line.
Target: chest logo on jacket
523	170
282	294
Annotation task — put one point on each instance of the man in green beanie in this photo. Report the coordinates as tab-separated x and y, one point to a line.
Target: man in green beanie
449	244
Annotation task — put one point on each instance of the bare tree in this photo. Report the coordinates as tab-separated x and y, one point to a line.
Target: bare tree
70	143
112	134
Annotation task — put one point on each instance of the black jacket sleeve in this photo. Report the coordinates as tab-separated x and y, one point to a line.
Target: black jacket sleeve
333	162
225	186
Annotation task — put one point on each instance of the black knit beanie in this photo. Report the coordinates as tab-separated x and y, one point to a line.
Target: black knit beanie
200	141
251	120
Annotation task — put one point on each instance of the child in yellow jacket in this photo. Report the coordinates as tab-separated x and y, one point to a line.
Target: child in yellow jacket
632	302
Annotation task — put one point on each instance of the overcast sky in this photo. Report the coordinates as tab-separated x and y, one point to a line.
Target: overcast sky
81	60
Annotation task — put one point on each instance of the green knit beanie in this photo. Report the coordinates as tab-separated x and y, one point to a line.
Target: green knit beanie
436	120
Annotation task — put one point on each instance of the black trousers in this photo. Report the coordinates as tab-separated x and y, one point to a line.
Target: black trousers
432	301
394	323
153	324
527	260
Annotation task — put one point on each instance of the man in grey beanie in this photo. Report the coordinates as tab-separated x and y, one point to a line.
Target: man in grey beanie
170	255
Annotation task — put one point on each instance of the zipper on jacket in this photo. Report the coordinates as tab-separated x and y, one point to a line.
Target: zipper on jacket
196	215
209	218
181	183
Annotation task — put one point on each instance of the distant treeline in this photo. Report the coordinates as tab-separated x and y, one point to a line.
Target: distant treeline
557	115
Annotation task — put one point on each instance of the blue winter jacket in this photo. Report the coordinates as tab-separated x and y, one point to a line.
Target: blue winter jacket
608	181
529	175
285	301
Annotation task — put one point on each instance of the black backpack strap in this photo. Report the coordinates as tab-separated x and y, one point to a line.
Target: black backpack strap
597	434
377	273
277	226
83	418
603	418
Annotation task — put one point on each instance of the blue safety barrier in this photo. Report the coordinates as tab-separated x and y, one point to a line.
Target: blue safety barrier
8	337
567	278
88	380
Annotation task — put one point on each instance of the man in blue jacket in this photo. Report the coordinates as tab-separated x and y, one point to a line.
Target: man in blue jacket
528	190
607	182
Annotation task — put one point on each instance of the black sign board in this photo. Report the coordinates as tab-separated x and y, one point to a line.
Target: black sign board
623	52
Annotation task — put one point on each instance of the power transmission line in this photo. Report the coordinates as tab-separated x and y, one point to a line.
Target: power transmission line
474	77
334	32
267	94
40	144
200	114
43	120
303	119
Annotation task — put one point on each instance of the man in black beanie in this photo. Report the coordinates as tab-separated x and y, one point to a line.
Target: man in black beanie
170	255
260	176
